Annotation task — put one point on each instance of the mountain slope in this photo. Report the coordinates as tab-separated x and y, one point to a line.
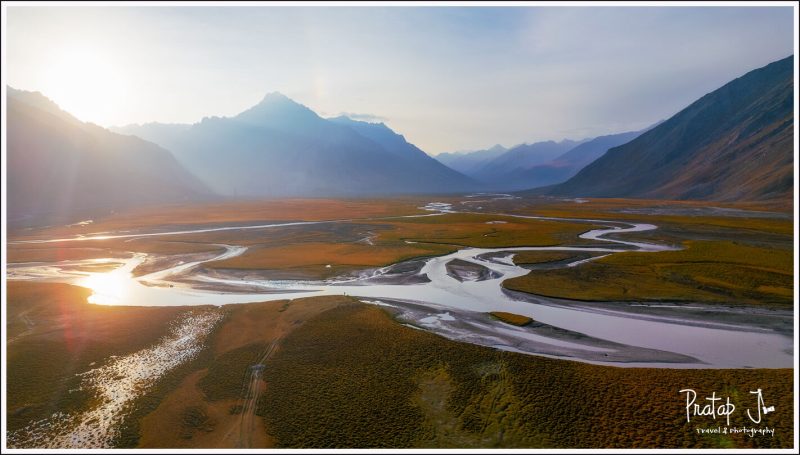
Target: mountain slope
61	169
565	166
427	167
163	134
735	143
468	163
281	148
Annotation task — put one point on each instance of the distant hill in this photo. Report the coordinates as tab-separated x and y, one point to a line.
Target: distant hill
61	170
735	143
499	173
468	163
532	165
565	166
281	148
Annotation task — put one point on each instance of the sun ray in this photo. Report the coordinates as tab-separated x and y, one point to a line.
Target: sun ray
87	83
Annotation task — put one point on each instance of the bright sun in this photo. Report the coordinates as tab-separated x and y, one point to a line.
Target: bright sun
107	288
86	83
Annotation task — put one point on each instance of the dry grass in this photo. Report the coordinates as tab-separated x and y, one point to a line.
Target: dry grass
413	388
266	322
94	249
214	386
511	318
166	427
239	212
56	252
541	257
609	209
53	334
416	389
472	230
431	236
317	255
704	271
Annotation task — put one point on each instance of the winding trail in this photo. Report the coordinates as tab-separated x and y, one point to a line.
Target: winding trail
253	387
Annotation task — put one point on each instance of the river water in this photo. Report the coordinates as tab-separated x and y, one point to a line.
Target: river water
621	334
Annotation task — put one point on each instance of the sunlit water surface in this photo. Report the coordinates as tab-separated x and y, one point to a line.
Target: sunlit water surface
450	307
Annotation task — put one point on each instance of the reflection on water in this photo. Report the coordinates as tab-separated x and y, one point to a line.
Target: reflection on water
115	385
440	303
108	288
690	334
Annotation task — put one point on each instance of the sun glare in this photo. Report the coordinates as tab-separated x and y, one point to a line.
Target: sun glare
86	83
107	288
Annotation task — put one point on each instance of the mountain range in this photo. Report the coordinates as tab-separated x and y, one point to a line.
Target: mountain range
500	173
733	144
281	148
533	165
470	162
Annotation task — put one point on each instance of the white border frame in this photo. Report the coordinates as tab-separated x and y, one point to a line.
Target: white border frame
3	249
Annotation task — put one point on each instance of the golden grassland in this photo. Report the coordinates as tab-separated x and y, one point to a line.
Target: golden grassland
185	419
351	377
52	334
323	251
60	251
213	386
93	249
511	318
541	257
248	212
704	271
611	209
346	375
467	229
304	251
313	257
429	236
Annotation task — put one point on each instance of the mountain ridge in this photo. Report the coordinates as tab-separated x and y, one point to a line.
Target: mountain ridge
707	150
61	169
280	148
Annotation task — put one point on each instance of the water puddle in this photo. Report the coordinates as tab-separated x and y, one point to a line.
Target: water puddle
115	385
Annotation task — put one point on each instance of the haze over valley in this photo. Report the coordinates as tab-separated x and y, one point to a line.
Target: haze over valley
241	227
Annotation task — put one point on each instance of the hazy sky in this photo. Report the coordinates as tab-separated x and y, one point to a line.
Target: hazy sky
447	78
